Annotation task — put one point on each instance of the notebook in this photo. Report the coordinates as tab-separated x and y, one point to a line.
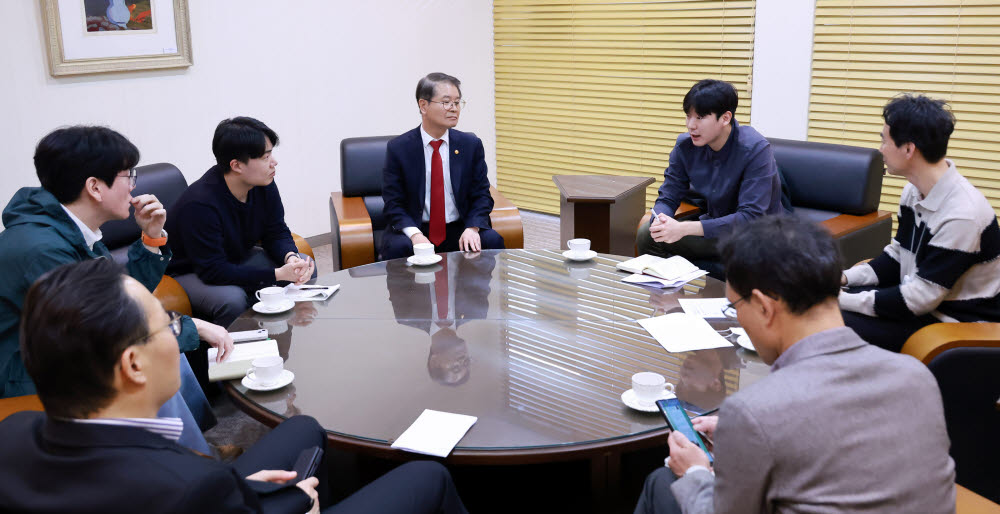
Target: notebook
670	269
239	361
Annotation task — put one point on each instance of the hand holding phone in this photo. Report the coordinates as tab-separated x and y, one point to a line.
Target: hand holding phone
678	420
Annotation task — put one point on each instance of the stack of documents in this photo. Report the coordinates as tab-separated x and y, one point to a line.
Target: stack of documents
435	433
659	272
309	293
682	332
239	360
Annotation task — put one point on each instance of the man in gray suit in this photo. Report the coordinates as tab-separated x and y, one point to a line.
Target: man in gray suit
838	426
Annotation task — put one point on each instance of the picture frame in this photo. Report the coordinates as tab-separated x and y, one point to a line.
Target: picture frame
103	36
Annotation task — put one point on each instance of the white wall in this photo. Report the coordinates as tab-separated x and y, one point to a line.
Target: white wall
782	61
315	71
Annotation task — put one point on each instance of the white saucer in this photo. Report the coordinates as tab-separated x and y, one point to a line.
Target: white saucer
281	307
744	341
423	261
284	379
579	256
629	398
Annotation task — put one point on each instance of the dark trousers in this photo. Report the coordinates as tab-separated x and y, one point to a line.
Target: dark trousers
702	251
656	497
396	244
886	333
415	487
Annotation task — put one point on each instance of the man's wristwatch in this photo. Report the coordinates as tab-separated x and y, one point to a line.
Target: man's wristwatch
155	242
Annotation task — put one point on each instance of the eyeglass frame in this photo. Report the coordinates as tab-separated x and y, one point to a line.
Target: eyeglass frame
175	325
133	177
729	311
458	104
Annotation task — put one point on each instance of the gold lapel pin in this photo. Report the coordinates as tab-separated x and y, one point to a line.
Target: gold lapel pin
456	152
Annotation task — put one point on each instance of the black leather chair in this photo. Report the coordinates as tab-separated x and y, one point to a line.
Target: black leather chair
839	187
357	221
965	359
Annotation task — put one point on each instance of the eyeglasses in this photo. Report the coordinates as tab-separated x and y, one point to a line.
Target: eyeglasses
174	325
457	104
730	310
132	177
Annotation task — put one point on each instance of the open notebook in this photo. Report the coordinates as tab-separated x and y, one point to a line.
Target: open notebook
671	268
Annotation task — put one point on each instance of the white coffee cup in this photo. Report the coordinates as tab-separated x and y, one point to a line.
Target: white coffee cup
271	296
649	386
423	250
578	245
265	370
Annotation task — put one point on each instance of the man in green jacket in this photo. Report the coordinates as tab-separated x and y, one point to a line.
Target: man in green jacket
87	175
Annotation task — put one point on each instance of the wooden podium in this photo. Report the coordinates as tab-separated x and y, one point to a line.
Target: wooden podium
604	209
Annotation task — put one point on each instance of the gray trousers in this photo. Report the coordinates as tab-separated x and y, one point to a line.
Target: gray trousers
656	497
223	304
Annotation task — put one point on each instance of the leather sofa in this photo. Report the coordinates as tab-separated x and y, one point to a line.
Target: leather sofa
166	182
837	186
356	218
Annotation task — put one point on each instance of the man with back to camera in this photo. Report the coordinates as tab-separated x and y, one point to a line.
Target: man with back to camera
943	264
838	425
221	219
104	360
434	183
87	175
729	165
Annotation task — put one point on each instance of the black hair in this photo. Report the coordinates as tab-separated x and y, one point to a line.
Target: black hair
710	96
784	257
67	157
426	85
77	321
241	138
923	121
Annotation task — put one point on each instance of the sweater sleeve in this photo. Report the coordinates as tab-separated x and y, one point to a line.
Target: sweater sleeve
277	240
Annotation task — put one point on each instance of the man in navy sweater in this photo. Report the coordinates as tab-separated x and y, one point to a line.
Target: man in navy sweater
221	219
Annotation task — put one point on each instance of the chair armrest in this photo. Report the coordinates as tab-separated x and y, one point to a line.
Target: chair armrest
9	406
844	224
932	340
353	231
968	502
506	220
172	296
303	246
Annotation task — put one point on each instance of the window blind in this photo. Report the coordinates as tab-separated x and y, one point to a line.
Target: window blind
867	51
595	87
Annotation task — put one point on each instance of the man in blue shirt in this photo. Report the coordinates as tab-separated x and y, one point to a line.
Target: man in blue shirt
230	237
730	167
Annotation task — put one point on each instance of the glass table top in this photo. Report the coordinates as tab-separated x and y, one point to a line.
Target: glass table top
538	348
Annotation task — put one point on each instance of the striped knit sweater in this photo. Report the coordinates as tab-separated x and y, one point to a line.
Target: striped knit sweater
944	260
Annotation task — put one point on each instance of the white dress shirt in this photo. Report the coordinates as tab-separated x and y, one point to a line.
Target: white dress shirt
89	236
450	211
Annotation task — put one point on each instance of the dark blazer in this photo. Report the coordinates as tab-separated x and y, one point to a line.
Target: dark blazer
404	177
62	466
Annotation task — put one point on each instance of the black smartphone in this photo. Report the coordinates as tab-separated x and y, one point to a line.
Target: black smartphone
308	461
678	420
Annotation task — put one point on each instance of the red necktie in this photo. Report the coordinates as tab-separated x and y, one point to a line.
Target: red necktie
437	196
441	289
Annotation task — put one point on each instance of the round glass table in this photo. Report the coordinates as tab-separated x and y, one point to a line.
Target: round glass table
539	348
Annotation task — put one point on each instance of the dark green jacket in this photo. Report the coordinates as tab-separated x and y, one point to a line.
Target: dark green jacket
39	236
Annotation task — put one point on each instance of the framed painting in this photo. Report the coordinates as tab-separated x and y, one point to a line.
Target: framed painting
99	36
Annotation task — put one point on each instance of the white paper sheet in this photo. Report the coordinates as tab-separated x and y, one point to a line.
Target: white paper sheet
682	332
705	307
309	293
435	433
649	280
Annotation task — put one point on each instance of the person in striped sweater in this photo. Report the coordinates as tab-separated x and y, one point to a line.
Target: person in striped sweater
944	263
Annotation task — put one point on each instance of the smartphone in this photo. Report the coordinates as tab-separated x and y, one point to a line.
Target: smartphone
308	461
678	420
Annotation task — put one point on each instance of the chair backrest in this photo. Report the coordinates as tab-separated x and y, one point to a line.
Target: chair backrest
163	180
361	163
838	178
970	385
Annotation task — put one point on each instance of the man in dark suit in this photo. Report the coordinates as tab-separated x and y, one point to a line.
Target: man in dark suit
434	183
103	359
